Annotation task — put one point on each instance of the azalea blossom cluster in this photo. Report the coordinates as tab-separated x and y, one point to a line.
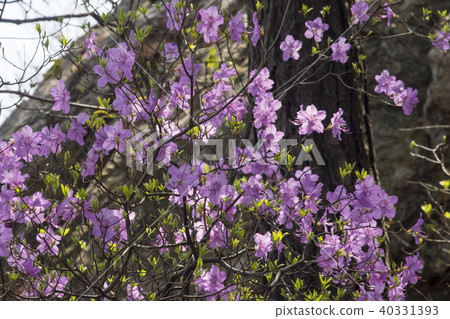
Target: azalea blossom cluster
225	220
395	89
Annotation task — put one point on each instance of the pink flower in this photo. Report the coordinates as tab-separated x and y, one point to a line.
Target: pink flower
76	131
442	40
48	241
385	83
409	100
340	49
61	97
265	110
210	20
338	124
264	245
261	83
214	188
171	51
387	13
212	281
418	231
413	265
309	120
218	236
6	237
89	166
90	45
315	29
290	48
359	10
237	27
174	16
51	139
134	293
255	30
27	143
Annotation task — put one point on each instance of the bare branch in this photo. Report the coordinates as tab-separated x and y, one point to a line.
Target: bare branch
54	18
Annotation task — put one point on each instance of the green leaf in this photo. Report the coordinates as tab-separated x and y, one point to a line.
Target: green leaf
426	208
445	183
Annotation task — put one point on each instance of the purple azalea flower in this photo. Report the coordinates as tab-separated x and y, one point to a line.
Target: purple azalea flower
290	48
338	124
442	40
174	16
289	192
166	152
6	196
327	258
186	71
106	75
359	10
161	240
29	267
413	266
89	166
418	231
48	241
309	120
134	293
180	237
180	96
38	205
61	97
315	29
27	143
90	45
6	237
120	59
218	236
265	110
111	137
271	137
51	284
252	190
104	223
14	178
237	109
126	102
237	27
340	49
255	30
76	131
264	245
224	73
387	13
385	83
215	187
182	179
409	100
366	193
210	20
339	200
385	206
171	51
261	83
212	281
51	139
397	293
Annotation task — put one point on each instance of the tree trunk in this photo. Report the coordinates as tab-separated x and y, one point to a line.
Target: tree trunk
331	86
